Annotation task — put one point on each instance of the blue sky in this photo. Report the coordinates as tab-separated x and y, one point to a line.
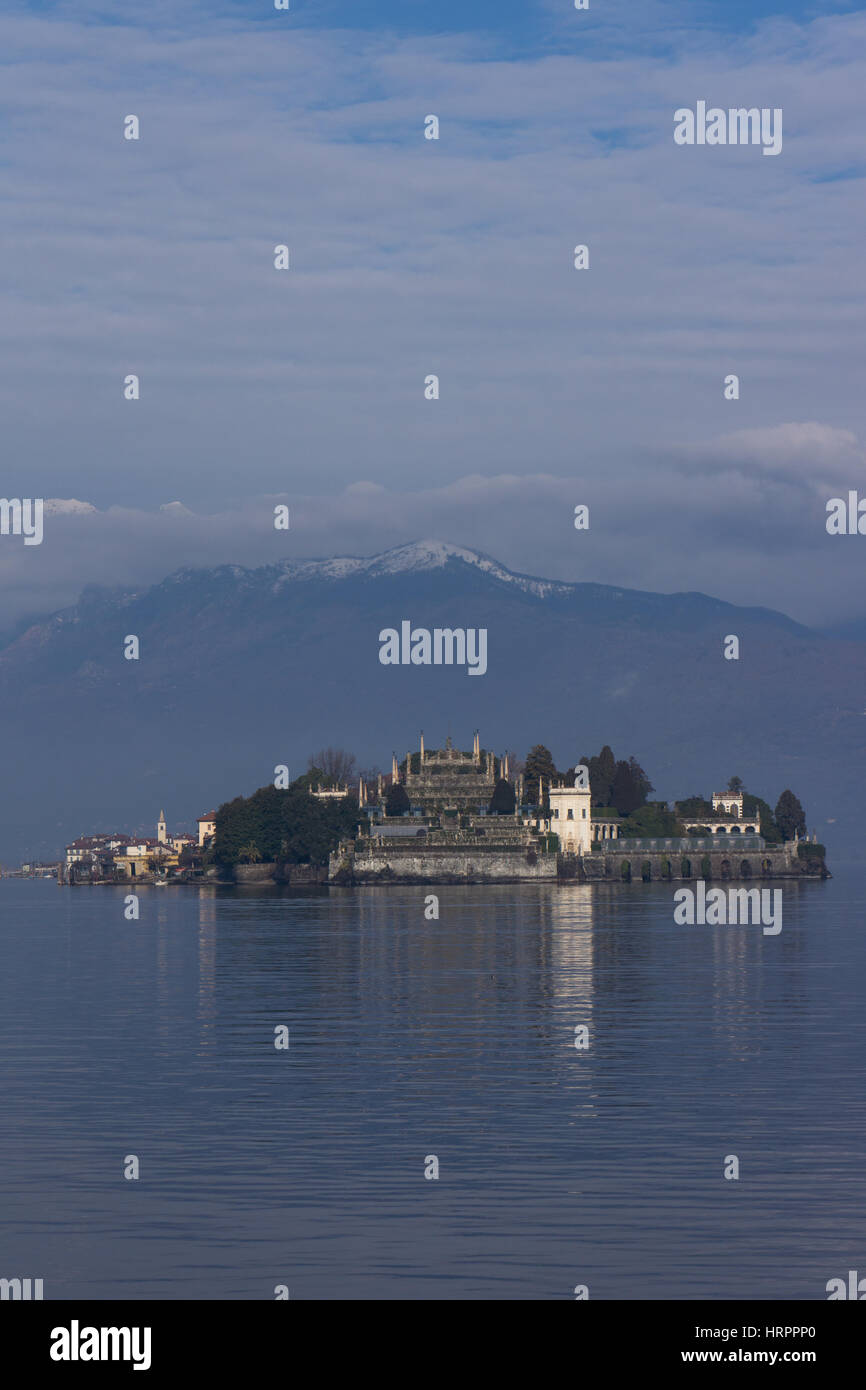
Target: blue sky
527	18
452	257
519	25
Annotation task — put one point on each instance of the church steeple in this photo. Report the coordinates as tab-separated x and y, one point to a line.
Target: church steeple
161	829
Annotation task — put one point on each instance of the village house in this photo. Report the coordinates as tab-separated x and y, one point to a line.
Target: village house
127	856
206	827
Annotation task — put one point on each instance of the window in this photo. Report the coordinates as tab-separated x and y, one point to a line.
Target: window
584	813
570	813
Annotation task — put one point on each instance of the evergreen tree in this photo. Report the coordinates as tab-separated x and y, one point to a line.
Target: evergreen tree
642	782
653	821
502	801
601	770
735	784
601	774
396	802
282	825
539	765
790	816
625	794
694	806
755	809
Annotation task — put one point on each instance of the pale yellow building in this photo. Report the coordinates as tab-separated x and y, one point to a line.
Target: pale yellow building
571	819
206	826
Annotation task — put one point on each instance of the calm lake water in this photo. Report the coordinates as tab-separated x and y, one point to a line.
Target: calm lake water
411	1038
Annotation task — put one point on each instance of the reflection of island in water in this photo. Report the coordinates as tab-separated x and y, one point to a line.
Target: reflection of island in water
497	957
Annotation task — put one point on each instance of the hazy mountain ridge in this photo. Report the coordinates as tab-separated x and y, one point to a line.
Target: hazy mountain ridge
242	669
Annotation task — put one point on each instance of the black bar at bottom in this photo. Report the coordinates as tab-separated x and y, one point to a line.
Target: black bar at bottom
158	1339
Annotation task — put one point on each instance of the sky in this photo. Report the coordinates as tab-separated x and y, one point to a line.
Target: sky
453	257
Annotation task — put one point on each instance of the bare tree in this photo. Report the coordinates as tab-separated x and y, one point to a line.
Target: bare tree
336	764
516	765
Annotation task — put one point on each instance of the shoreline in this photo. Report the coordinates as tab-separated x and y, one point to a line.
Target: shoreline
778	863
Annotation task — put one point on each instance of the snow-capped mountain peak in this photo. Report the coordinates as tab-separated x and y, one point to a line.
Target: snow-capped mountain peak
413	558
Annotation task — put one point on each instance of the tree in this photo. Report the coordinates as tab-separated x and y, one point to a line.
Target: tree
282	824
336	765
603	769
735	784
757	810
627	791
502	802
248	853
539	766
790	816
396	802
651	822
642	782
601	774
516	765
694	806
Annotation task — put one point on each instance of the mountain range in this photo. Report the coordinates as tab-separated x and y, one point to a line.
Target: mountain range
244	669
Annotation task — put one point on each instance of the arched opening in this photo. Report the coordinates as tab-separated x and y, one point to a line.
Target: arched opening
686	868
706	867
750	830
735	830
667	869
766	866
625	870
646	871
726	868
745	869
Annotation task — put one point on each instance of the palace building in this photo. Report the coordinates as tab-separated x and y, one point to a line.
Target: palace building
729	803
447	779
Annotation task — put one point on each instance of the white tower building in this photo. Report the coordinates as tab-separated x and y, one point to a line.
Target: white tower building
570	818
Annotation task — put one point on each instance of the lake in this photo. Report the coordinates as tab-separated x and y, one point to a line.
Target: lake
411	1038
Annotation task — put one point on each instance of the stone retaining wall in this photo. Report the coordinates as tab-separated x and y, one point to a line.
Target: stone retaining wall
773	861
441	864
298	874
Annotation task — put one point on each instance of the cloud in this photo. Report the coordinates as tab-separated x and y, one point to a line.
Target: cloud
413	256
741	517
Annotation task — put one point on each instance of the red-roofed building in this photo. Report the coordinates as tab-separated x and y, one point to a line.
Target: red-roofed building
206	826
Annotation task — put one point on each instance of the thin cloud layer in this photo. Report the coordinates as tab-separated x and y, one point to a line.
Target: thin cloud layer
747	524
